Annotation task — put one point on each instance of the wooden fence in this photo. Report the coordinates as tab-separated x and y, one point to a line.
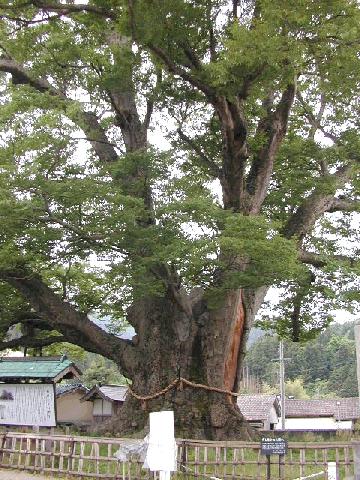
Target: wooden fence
89	458
243	460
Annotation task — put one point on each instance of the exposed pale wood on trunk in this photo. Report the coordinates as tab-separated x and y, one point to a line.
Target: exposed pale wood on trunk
235	334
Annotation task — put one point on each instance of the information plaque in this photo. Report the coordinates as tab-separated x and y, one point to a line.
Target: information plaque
273	446
27	404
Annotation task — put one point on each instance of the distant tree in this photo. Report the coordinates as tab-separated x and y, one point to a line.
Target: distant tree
295	388
75	353
320	389
260	359
342	365
102	371
95	368
325	365
270	389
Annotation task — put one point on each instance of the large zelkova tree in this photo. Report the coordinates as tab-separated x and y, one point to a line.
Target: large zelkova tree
166	163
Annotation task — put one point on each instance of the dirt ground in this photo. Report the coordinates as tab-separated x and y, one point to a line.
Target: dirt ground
16	475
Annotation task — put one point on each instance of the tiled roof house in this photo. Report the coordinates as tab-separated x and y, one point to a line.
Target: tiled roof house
106	400
325	414
264	412
261	411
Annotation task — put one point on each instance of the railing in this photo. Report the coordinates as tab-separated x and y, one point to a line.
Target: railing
243	460
84	457
89	458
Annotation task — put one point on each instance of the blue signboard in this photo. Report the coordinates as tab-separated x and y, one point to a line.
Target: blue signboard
273	446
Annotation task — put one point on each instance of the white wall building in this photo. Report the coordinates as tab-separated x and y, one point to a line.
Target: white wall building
321	415
264	412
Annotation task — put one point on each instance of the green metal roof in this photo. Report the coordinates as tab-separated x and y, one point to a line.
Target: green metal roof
43	368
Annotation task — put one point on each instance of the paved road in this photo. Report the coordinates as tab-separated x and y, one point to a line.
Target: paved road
15	475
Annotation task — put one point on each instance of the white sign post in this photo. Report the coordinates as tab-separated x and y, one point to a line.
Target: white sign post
162	449
332	471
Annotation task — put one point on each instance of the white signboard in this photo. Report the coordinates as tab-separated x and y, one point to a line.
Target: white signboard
27	404
161	453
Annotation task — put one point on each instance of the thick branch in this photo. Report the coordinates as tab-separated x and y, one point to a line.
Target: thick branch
96	135
317	260
65	318
273	127
22	316
191	55
87	121
318	118
315	205
149	112
205	160
232	120
235	4
20	75
123	102
344	205
297	301
31	342
172	284
182	72
65	9
235	154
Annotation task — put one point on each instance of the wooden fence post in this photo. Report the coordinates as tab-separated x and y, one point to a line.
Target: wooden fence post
356	450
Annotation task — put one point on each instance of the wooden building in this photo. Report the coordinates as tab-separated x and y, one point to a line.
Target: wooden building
27	389
321	415
261	411
69	407
106	400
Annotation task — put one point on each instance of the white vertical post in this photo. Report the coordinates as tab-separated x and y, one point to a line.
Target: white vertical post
162	449
332	471
282	383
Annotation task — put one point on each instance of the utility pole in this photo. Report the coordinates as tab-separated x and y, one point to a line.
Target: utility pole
281	361
282	383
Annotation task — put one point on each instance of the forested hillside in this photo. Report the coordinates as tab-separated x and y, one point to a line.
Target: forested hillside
326	365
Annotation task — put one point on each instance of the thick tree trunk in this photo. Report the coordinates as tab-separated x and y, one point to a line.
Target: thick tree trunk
205	347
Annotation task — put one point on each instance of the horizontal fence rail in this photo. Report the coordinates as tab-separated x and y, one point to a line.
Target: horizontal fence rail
94	458
243	460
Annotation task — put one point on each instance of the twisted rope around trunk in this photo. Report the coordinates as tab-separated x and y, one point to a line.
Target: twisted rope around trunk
180	382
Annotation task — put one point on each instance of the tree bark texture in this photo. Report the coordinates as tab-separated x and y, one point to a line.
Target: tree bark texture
205	347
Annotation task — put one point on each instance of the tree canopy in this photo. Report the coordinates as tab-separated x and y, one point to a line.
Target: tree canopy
156	149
